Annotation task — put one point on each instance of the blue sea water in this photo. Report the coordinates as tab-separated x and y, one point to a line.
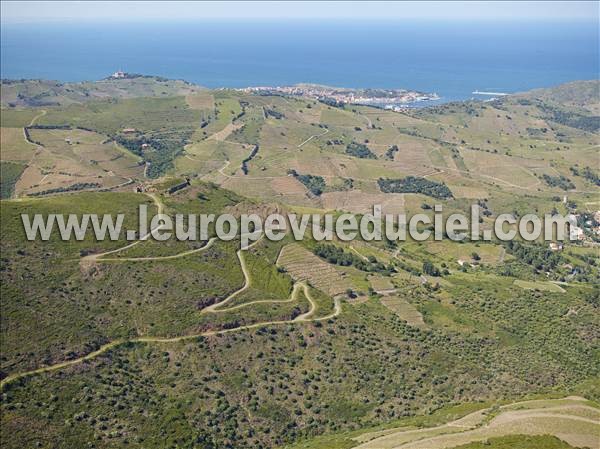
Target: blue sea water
451	59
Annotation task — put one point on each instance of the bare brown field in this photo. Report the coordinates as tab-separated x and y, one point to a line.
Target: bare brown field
288	186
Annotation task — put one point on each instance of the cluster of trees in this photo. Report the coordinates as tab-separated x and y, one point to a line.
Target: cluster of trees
52	127
589	123
38	100
540	257
336	255
391	151
587	173
178	187
412	184
165	146
71	188
359	150
348	184
273	113
253	153
331	102
558	181
536	132
485	210
430	269
316	184
408	268
29	139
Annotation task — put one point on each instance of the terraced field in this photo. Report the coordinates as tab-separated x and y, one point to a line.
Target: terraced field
572	419
303	265
404	310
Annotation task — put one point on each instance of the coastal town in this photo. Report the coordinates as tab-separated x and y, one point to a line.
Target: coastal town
340	95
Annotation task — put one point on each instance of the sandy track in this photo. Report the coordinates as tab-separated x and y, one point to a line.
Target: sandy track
314	136
160	208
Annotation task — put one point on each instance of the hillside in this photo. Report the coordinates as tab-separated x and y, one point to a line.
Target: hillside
295	344
578	94
40	93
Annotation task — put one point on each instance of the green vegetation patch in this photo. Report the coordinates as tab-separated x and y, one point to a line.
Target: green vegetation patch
360	150
72	188
337	256
412	184
573	119
519	442
16	118
10	172
561	182
314	183
587	173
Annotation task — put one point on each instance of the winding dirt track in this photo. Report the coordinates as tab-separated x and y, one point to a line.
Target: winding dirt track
215	308
113	344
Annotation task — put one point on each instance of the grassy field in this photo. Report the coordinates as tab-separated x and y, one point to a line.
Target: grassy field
542	286
14	146
16	118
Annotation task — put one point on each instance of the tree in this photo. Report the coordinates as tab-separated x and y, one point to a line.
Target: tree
430	269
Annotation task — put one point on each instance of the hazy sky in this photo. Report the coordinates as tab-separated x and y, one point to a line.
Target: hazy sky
28	11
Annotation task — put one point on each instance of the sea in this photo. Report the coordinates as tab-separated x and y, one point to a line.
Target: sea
452	59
